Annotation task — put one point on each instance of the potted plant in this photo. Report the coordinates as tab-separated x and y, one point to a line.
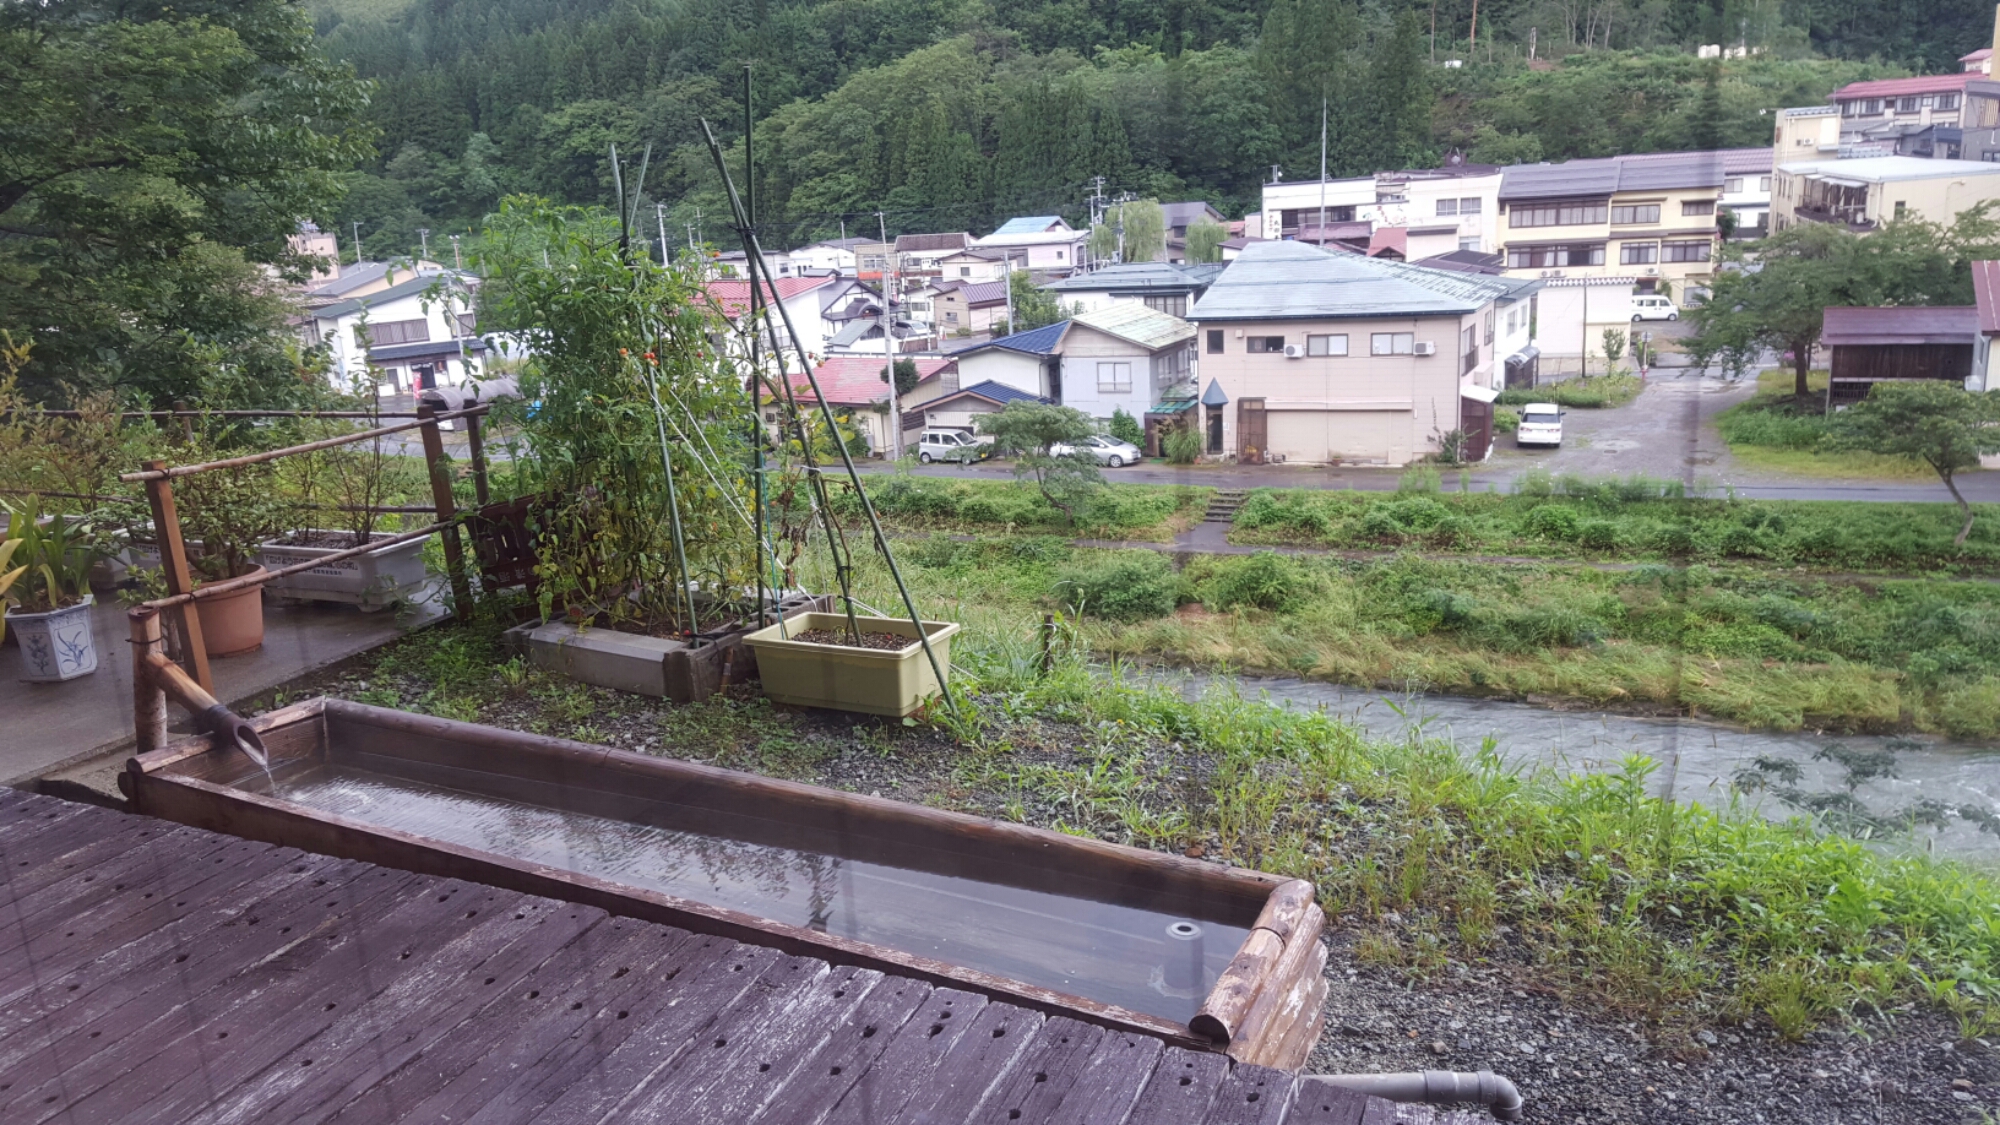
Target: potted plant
358	483
812	660
229	512
48	595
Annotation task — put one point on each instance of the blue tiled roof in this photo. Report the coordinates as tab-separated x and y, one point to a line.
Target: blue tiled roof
1035	341
1028	224
999	392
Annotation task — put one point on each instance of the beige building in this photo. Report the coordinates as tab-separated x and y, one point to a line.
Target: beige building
1866	192
1323	356
1652	217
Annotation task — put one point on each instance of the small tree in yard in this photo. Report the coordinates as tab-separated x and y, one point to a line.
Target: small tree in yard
1027	430
1124	427
1614	350
1937	423
906	376
1034	306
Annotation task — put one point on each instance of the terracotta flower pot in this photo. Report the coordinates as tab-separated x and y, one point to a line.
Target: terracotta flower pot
233	623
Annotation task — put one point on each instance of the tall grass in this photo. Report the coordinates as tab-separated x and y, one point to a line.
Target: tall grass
1594	392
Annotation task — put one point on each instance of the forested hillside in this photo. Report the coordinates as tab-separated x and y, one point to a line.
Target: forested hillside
954	113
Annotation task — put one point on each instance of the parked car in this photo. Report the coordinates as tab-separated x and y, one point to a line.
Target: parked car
1107	451
953	445
1541	424
1655	308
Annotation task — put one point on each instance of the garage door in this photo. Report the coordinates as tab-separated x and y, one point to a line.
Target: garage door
1341	435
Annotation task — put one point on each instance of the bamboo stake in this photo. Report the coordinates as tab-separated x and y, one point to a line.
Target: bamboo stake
447	512
174	567
753	250
424	418
149	703
475	442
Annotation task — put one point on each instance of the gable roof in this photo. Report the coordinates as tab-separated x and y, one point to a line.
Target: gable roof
733	294
1035	341
355	276
1950	324
1185	214
1293	280
1986	296
999	393
931	243
979	294
1140	277
396	292
857	380
1137	324
1899	87
1031	224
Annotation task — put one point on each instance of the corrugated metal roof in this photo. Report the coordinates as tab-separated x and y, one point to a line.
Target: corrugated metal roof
1570	179
988	390
1949	324
390	353
857	380
1137	324
1139	277
1291	280
734	295
1898	87
1029	224
1986	295
395	292
1669	170
931	243
1889	169
1650	171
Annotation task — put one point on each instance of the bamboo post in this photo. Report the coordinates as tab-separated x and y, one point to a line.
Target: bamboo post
475	439
1048	643
174	565
149	703
447	511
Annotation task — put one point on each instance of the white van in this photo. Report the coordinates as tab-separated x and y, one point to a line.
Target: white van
1648	307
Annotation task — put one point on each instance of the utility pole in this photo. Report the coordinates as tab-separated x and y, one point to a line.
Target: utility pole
1009	279
660	217
357	242
424	241
457	262
889	284
1472	48
1322	169
1096	201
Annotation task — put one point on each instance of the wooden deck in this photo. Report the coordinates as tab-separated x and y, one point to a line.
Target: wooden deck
151	972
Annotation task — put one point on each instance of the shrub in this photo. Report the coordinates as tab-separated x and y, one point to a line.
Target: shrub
1182	445
1124	427
1120	586
1594	392
1419	479
1265	580
1535	482
1506	421
938	552
1773	426
1037	548
1442	609
1598	535
982	509
1551	626
1553	522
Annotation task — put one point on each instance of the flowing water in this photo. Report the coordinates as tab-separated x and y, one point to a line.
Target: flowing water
1697	761
1155	963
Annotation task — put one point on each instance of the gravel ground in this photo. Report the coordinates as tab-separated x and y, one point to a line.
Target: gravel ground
1574	1062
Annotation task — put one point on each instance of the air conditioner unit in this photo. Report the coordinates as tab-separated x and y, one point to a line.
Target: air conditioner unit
1652	271
1425	347
1295	351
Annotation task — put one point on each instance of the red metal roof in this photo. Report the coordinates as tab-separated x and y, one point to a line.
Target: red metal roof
734	294
1986	296
857	380
1981	55
1900	87
1947	324
1389	240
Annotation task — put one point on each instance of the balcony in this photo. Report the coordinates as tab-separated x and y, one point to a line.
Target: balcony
1850	217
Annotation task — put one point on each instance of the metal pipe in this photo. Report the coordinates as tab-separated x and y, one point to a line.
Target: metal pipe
1435	1087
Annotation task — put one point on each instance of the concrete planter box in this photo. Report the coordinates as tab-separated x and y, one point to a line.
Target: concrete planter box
870	681
376	580
55	646
666	668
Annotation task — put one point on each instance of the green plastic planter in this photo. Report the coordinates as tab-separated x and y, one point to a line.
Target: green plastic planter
870	681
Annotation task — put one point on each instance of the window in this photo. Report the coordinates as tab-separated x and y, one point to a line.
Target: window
1847	109
1764	183
1392	343
309	333
1469	348
465	324
1168	367
1397	194
950	317
1733	185
1215	341
1489	325
1638	253
965	271
1698	207
1947	101
1908	105
1114	377
1059	255
1551	257
1871	107
1265	344
1175	305
1297	217
1900	208
1326	345
1635	214
1471	244
397	332
1688	251
1469	205
1557	214
1447	207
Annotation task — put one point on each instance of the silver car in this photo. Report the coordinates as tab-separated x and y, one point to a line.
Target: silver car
1107	451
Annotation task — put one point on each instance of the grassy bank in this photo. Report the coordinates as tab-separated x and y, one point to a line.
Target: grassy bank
1780	652
1631	520
1584	885
1776	432
1127	511
1592	392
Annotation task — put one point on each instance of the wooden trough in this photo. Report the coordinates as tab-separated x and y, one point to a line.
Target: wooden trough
1201	954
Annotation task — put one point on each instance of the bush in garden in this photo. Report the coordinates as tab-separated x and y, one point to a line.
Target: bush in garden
1553	522
981	509
1598	535
1120	586
1124	427
1265	580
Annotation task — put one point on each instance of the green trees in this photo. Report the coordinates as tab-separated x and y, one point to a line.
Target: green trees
1028	430
153	158
1034	307
1205	237
1937	423
1131	232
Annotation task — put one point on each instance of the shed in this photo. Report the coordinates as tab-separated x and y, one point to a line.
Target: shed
1871	345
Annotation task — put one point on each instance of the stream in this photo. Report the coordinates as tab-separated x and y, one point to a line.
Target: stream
1698	761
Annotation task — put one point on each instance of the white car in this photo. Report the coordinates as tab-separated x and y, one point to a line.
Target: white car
1541	424
953	445
1654	308
1107	451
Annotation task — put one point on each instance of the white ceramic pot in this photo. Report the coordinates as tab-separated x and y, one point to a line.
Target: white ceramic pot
57	645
